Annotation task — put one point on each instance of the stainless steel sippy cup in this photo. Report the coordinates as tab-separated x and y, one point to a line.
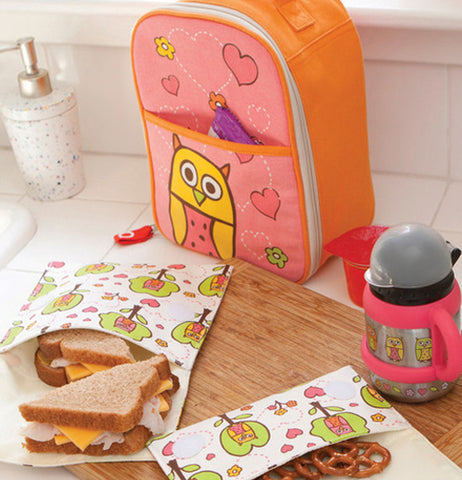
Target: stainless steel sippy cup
412	345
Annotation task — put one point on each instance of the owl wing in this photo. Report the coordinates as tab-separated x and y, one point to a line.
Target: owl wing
178	219
223	239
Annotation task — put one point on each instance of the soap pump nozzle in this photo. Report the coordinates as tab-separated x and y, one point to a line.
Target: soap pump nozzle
33	81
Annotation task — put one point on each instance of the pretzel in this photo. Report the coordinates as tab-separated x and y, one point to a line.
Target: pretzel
331	461
282	472
305	467
350	459
364	459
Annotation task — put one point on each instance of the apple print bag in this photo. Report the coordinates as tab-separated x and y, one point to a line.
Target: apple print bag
247	442
255	121
160	309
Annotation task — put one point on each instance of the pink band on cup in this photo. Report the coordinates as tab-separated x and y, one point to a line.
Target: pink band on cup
409	317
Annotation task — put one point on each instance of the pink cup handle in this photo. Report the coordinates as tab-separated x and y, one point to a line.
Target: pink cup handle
447	345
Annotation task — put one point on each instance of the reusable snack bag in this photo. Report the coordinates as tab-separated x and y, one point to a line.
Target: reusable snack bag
157	309
255	121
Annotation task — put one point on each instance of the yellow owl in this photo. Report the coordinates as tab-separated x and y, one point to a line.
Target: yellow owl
423	349
395	348
201	205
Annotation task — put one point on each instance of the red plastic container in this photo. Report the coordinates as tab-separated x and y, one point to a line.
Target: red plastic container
354	275
355	247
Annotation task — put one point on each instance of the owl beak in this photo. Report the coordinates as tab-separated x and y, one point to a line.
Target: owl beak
199	196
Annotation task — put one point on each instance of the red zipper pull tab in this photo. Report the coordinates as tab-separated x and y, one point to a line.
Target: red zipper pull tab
135	236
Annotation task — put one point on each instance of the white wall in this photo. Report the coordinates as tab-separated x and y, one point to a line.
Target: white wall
413	78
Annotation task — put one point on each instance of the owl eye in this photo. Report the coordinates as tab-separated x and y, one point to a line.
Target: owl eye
211	187
189	173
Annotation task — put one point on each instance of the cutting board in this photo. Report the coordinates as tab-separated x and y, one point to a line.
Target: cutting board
270	335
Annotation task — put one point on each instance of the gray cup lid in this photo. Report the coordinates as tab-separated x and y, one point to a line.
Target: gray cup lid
409	255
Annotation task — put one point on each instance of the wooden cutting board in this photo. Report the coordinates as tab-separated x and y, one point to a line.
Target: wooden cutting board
270	335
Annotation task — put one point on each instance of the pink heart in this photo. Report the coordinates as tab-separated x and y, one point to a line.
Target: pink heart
210	456
168	449
244	157
266	202
293	432
286	448
422	391
72	315
171	84
386	386
121	275
56	264
310	444
243	67
150	301
90	309
312	392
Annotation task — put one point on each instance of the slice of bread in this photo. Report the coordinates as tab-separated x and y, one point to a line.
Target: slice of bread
85	346
78	346
111	400
56	377
134	441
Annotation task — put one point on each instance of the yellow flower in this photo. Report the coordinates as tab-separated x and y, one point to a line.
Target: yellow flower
234	471
164	47
378	417
280	411
161	343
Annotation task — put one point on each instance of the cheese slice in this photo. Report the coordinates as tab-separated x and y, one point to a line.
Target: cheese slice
166	384
77	371
61	439
164	406
81	437
94	367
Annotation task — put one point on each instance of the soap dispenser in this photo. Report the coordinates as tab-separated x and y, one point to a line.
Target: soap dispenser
43	128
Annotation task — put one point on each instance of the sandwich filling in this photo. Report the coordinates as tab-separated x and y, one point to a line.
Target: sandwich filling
83	437
74	371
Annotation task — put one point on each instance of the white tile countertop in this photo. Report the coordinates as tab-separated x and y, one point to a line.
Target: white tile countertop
81	230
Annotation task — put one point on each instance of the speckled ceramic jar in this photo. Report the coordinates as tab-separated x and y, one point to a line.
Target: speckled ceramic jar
45	137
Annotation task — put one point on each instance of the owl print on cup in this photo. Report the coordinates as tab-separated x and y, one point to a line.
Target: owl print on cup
395	348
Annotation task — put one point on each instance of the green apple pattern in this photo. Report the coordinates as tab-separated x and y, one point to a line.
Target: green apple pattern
45	285
162	285
197	473
15	329
240	435
132	325
194	332
215	285
334	427
373	398
65	302
95	268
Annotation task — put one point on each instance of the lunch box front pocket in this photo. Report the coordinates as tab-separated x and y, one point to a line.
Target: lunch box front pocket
226	199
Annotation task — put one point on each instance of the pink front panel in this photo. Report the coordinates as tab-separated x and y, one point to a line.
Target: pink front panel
184	68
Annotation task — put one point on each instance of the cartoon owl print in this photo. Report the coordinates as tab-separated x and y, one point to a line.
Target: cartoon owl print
423	349
395	349
201	205
371	338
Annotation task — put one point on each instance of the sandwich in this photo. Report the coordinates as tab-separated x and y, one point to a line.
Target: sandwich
114	411
67	355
